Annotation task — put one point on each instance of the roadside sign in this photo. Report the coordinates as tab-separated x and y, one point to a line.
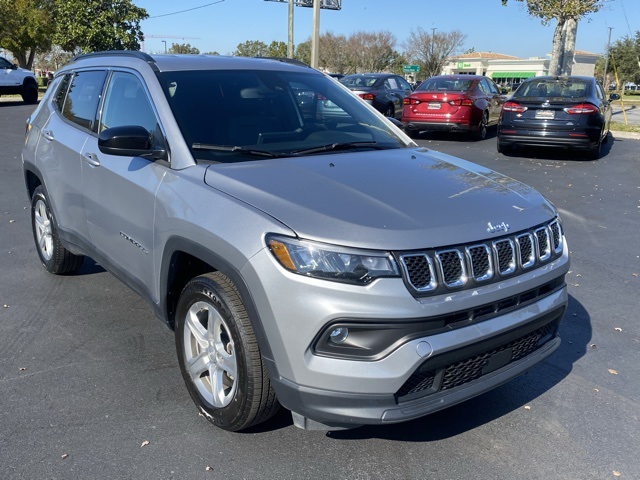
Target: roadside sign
410	68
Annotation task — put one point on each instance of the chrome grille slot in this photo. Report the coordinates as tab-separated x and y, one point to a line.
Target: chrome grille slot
420	272
526	250
542	243
556	232
481	262
506	254
452	268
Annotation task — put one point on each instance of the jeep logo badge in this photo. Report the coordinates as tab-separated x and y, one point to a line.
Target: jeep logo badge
500	227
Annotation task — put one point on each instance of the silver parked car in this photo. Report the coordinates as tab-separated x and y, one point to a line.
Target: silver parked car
316	261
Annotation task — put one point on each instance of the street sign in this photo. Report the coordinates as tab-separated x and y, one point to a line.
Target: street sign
410	68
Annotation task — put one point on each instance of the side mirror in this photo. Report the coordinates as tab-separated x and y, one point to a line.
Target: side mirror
504	91
614	96
128	141
14	66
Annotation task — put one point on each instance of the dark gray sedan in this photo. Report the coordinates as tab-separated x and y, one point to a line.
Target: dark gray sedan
556	112
384	91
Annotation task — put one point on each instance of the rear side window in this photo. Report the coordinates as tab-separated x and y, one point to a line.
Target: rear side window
61	93
81	104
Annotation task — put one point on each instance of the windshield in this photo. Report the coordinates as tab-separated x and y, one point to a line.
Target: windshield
239	115
447	84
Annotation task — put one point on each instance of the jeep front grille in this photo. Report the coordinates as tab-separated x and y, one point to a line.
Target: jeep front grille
466	266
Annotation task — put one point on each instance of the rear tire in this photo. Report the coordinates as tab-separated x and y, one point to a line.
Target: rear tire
390	111
54	257
30	93
596	152
502	148
219	355
481	133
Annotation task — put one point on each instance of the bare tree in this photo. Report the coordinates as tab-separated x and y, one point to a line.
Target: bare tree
372	51
430	50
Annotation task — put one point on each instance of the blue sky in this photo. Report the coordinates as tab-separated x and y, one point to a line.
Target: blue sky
489	26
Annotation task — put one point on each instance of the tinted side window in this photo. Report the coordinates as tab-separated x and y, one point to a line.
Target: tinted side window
126	103
84	95
4	63
599	92
492	86
391	84
404	85
61	93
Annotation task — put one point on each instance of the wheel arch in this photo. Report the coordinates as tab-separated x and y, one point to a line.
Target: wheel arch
29	81
183	260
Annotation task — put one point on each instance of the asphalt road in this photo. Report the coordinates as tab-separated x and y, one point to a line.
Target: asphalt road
88	376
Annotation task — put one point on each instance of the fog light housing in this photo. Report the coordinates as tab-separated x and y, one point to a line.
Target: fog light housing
339	335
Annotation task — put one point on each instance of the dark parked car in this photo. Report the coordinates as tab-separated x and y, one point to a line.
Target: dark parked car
557	112
453	103
384	91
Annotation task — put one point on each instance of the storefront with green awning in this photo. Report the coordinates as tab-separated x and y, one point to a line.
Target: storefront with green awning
499	76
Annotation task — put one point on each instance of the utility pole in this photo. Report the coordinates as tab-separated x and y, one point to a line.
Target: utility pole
606	63
290	39
315	36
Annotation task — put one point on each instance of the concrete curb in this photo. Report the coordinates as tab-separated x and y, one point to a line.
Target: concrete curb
626	135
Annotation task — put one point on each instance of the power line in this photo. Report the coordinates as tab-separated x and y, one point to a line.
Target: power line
187	10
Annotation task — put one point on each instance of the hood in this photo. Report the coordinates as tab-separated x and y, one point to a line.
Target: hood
398	199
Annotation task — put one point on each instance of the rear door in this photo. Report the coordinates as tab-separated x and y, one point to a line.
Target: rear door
72	122
493	97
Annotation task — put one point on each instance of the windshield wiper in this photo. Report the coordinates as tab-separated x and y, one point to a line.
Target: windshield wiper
339	146
234	149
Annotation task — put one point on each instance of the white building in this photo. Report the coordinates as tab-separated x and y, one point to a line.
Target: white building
509	69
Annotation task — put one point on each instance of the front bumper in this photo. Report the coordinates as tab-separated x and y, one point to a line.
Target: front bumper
442	380
347	392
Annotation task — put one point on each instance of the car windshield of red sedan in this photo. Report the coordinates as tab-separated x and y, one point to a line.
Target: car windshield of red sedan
445	85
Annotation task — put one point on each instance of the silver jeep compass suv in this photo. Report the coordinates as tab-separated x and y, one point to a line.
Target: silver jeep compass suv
305	251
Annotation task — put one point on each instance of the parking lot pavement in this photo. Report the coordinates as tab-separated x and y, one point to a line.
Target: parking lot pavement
90	387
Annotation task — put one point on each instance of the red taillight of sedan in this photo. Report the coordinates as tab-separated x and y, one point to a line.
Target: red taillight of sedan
411	101
366	96
586	108
513	107
461	102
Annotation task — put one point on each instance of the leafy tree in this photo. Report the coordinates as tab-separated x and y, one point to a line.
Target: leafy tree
183	48
26	27
566	13
252	48
94	25
430	50
277	49
303	52
624	56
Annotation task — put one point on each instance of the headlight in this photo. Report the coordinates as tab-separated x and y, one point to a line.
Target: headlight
329	262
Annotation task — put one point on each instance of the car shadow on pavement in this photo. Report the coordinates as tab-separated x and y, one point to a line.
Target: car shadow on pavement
575	332
563	154
455	136
89	267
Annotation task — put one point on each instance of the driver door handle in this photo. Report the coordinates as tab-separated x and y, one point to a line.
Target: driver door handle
48	134
91	159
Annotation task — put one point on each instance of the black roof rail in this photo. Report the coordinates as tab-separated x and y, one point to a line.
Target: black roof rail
292	61
145	57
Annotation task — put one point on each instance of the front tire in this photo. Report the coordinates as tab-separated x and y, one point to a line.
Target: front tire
54	257
219	355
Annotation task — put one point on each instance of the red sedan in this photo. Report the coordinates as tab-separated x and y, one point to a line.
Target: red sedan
453	103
